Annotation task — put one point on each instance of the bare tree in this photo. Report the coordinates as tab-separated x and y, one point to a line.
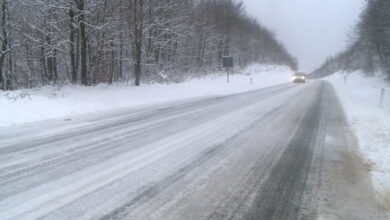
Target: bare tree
102	41
4	40
370	47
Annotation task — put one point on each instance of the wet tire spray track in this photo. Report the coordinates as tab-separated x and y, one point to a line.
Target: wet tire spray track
284	188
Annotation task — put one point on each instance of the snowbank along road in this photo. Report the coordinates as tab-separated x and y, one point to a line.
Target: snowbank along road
283	152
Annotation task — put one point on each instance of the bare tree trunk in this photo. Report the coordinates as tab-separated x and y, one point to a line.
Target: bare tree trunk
138	30
72	56
50	61
111	78
54	64
149	44
81	9
4	43
49	68
77	65
43	65
121	55
10	75
29	65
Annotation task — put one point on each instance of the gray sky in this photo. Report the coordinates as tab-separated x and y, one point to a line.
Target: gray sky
310	29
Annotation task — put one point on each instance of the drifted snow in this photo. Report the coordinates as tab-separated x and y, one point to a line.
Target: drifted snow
30	105
360	97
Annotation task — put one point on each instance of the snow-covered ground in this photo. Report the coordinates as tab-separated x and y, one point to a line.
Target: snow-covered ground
39	104
360	96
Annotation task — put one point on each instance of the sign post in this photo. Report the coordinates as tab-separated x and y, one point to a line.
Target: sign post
381	98
228	64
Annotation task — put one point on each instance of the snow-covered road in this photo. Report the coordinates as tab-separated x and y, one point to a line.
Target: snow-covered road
282	152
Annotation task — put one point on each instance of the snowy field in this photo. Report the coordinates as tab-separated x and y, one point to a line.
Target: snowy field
360	97
32	105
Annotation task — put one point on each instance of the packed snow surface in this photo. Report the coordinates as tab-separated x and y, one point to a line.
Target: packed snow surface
360	96
39	104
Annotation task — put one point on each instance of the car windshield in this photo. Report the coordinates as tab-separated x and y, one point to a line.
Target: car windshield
194	109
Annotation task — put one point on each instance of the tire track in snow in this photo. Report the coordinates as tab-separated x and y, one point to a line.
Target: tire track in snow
102	179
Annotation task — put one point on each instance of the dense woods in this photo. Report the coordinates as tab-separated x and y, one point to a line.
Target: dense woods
94	41
369	50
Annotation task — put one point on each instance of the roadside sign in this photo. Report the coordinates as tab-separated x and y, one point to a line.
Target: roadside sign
227	62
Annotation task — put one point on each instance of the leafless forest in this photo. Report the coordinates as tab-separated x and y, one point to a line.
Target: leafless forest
369	49
101	41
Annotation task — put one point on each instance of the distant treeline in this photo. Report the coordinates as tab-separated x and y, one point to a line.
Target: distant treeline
369	50
94	41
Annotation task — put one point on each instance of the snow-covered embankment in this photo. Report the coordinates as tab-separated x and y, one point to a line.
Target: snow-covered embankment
29	105
370	119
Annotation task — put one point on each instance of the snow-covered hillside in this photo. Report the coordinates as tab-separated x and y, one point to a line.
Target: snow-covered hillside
360	97
31	105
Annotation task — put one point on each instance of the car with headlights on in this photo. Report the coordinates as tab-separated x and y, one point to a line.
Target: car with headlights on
299	77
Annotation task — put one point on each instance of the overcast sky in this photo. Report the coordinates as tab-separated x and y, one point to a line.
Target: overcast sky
310	29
